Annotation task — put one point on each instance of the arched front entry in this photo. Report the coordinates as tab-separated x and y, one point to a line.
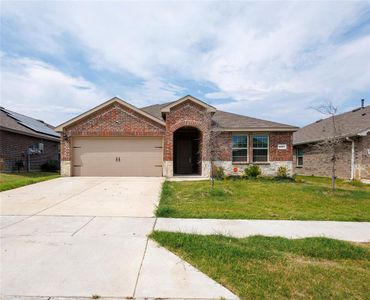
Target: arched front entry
187	157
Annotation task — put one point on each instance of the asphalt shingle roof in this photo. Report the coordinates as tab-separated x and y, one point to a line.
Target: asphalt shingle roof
225	119
348	124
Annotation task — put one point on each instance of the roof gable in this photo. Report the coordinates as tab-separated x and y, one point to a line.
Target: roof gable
208	107
105	104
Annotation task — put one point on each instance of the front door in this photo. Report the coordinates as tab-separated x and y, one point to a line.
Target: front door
184	157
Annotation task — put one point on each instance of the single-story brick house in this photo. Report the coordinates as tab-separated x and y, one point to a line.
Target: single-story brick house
176	138
353	153
26	143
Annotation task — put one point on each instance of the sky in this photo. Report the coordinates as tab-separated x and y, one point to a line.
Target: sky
270	60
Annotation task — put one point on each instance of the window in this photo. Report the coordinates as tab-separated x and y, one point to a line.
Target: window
240	146
260	148
299	157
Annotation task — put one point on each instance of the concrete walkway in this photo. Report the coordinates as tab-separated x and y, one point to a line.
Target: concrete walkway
71	238
348	231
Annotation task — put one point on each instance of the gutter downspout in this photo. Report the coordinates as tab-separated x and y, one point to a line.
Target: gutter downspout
352	157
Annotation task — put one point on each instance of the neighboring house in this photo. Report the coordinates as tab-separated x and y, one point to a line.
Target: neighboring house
176	138
25	143
353	154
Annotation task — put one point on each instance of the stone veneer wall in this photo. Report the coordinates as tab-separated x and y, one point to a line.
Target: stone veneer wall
268	169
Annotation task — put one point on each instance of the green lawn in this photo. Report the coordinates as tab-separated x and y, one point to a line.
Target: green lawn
309	198
14	180
277	268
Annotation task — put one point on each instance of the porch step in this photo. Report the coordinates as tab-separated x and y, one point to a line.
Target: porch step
187	178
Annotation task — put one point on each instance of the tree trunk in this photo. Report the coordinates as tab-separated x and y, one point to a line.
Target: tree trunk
333	174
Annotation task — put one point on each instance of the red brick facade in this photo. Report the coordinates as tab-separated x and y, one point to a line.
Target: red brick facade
187	114
116	120
277	138
223	146
111	121
13	148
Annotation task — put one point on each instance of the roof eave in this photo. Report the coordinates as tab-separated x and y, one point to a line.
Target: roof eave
258	129
37	135
364	132
361	133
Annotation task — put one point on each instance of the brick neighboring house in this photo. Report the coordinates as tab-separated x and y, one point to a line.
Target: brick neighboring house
353	154
176	138
26	141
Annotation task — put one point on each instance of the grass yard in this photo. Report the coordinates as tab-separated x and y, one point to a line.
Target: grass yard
310	198
14	180
277	268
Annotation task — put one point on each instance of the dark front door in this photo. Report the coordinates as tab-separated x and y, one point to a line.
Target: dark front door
184	161
186	151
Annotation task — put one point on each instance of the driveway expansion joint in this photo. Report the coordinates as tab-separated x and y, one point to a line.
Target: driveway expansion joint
83	226
142	260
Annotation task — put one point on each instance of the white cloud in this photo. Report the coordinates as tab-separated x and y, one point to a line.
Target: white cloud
37	89
285	55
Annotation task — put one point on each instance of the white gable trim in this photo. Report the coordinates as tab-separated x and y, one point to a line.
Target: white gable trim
209	108
60	127
364	132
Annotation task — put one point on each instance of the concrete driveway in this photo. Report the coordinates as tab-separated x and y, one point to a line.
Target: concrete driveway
78	237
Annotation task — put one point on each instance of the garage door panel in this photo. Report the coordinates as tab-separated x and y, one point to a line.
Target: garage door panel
117	156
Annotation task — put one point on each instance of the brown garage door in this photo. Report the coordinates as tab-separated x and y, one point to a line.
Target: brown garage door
117	156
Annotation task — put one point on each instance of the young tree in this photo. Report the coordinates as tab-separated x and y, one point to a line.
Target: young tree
217	143
332	137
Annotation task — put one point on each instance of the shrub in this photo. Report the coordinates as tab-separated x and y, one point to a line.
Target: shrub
50	166
218	172
282	172
252	171
19	165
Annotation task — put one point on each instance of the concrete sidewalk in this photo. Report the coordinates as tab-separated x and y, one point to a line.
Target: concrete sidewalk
348	231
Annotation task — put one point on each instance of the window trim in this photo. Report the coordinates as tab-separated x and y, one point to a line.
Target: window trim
297	157
240	148
268	148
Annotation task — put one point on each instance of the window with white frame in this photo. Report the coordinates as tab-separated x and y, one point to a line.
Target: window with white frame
240	148
260	148
299	157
